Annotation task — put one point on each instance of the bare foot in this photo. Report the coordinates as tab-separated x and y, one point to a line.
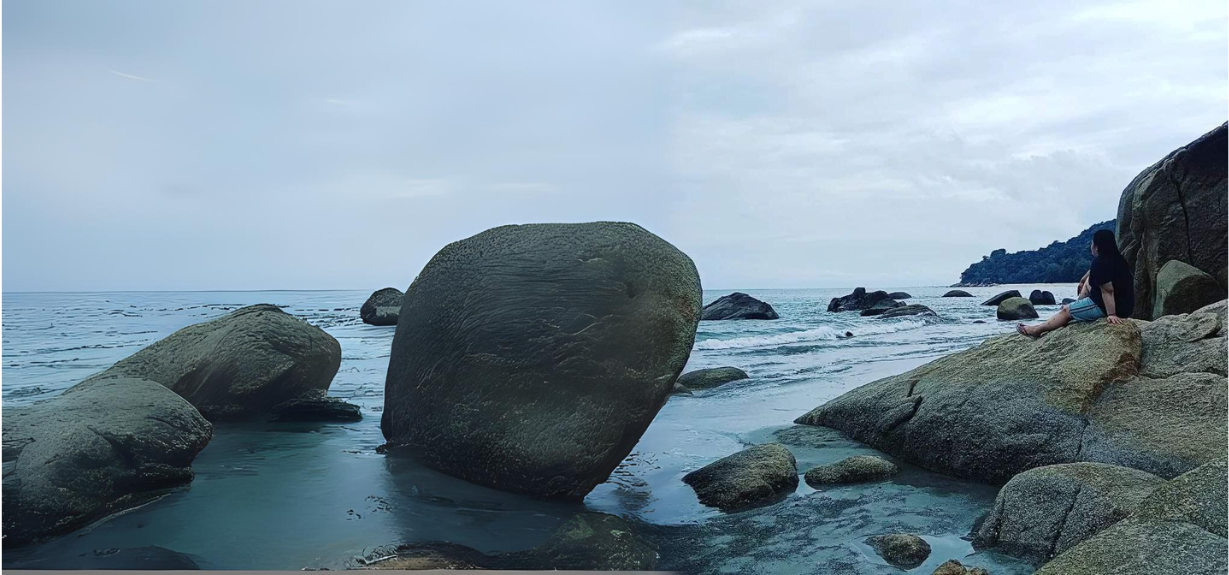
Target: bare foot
1023	330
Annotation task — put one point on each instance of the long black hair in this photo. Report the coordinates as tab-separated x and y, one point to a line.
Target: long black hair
1107	246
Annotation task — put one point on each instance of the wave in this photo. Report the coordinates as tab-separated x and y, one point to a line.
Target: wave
822	333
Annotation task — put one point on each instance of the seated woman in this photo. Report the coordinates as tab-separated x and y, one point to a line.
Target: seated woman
1106	291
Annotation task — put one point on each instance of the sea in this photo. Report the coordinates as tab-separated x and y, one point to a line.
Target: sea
291	496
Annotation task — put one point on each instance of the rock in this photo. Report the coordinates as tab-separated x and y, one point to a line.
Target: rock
1197	496
1176	210
1016	308
316	409
738	305
753	476
1068	300
382	308
908	310
1048	510
1014	403
1187	343
102	446
856	469
542	382
951	567
239	365
899	295
881	307
1136	547
858	300
1182	288
957	293
587	541
1038	297
151	558
901	550
679	389
708	378
998	299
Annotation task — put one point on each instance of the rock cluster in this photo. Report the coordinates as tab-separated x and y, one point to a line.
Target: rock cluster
738	305
860	300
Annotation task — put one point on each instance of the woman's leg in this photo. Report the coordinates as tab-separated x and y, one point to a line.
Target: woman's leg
1060	319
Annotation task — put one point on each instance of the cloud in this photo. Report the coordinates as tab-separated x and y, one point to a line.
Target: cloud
131	77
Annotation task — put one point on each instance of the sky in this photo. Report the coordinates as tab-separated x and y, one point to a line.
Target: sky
219	144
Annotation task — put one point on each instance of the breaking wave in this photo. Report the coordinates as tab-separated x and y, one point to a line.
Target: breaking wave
823	333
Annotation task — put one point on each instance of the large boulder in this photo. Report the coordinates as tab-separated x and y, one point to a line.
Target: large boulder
957	293
1048	510
532	358
908	310
1013	403
1039	297
1179	527
240	365
1014	308
753	476
382	307
1176	210
1186	343
709	378
1183	288
738	305
1000	298
860	299
102	446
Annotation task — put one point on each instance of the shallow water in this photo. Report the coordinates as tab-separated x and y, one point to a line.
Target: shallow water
289	496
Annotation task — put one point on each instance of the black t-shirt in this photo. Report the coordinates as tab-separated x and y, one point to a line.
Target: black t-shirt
1105	271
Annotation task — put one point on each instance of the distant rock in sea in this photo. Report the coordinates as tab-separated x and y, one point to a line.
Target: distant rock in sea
547	381
240	365
709	378
1177	209
382	307
860	300
881	307
957	293
1014	308
738	305
1039	297
1000	298
907	310
899	295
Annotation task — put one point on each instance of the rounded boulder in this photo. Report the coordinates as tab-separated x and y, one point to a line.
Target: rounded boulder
532	358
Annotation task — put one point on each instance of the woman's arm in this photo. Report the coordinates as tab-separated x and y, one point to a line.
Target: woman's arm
1107	295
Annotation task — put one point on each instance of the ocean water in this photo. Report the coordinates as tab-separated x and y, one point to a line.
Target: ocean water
293	496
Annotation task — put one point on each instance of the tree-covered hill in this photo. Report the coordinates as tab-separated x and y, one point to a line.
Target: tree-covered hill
1056	263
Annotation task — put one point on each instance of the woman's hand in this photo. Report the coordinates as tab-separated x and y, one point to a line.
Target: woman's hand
1114	319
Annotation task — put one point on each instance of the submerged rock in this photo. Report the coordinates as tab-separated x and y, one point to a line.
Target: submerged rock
859	300
899	295
1176	210
1000	298
239	365
1182	288
908	310
738	305
1038	297
901	550
551	375
753	476
957	293
382	307
709	378
1048	510
856	469
1014	403
954	567
1015	308
316	409
587	541
102	446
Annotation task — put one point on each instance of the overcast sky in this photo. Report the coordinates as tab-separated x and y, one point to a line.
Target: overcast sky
314	145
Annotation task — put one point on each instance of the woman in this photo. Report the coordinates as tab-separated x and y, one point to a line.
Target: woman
1106	291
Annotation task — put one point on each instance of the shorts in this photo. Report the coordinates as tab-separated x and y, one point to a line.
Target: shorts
1084	309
